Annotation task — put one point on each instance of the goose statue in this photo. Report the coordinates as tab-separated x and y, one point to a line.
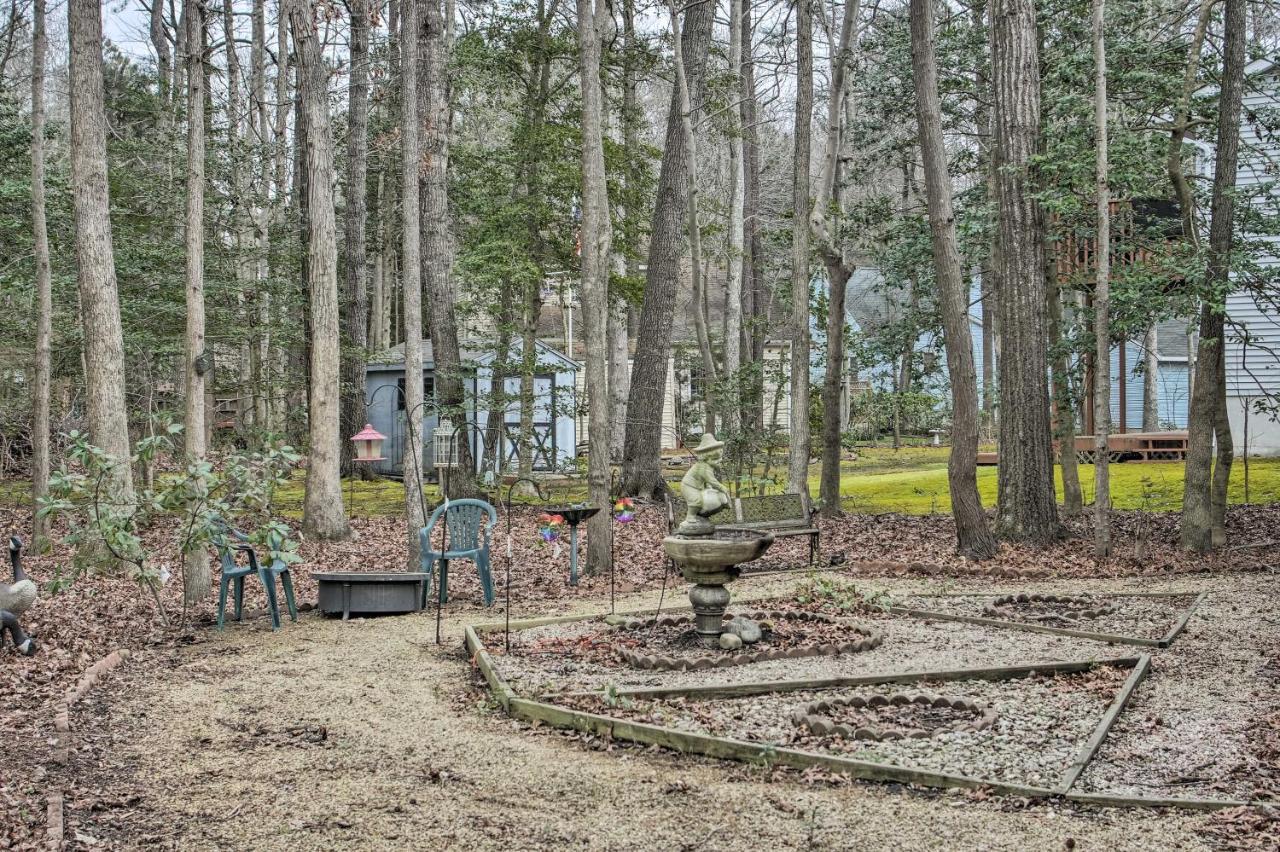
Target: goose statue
15	599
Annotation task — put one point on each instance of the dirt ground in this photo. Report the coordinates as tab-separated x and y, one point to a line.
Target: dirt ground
367	735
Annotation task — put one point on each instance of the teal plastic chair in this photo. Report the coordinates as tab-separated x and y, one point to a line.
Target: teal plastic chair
467	536
232	541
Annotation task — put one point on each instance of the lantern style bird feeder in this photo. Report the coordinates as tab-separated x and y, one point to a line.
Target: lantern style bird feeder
444	451
368	443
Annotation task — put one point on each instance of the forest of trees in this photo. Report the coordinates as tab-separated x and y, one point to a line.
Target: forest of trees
236	200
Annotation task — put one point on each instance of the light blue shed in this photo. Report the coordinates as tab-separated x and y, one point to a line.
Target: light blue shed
555	401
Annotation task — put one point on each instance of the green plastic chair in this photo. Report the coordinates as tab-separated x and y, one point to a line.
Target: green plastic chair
227	544
467	536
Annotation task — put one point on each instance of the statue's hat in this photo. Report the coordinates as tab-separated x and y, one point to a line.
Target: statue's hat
708	443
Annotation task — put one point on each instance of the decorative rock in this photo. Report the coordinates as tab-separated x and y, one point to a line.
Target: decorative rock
745	629
730	641
877	701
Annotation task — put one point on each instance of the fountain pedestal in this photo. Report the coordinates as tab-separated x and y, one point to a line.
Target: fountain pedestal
711	562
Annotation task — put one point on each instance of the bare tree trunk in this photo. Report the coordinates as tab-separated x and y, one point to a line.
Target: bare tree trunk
241	225
435	223
40	430
597	232
410	249
108	418
1065	428
1028	507
356	348
798	452
640	464
260	353
619	375
324	515
1204	487
278	407
1151	380
196	579
736	236
1101	300
973	536
838	268
160	41
710	376
754	325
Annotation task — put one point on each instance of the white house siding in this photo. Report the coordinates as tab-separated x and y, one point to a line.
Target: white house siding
1253	369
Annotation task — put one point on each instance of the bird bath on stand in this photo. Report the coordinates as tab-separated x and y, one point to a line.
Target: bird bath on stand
574	515
711	562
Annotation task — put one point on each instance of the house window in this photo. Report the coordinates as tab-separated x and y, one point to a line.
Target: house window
428	391
697	383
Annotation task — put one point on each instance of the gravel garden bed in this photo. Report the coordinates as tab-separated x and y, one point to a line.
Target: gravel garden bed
580	655
1126	615
1037	725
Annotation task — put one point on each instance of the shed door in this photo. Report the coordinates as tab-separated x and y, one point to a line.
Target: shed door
544	427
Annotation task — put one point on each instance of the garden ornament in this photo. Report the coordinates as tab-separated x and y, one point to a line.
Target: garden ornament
702	492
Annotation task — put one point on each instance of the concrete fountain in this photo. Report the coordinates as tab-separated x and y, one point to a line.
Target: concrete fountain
708	558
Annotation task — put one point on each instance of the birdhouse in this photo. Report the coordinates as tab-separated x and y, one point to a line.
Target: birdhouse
444	446
368	443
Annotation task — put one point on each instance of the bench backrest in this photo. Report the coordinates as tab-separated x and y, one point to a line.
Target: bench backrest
773	508
759	511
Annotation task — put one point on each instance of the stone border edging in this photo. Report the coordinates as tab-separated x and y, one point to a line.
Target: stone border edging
812	716
55	826
660	662
1004	607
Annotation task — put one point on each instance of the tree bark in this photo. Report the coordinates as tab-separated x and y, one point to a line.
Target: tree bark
160	41
355	350
196	579
260	354
436	223
754	303
1064	399
838	267
1151	380
1101	300
324	516
410	250
799	449
736	236
1028	508
973	536
699	301
1204	485
40	429
107	415
641	472
597	232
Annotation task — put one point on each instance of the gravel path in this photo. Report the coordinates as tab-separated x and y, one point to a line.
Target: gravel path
331	735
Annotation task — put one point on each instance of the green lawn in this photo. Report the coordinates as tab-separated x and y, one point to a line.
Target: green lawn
921	487
912	480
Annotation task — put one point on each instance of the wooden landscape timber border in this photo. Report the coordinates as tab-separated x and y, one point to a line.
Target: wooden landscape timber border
1116	638
1104	724
729	749
737	690
55	825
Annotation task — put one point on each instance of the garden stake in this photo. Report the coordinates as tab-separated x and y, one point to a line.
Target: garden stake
506	629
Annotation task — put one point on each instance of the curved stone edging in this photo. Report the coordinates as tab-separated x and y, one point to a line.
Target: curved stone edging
811	717
1079	606
872	639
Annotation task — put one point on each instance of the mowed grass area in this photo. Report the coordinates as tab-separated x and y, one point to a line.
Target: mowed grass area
911	480
914	481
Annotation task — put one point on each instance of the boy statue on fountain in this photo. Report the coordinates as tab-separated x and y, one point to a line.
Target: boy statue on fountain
702	492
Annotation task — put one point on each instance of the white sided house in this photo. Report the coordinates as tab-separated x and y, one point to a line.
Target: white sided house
1253	333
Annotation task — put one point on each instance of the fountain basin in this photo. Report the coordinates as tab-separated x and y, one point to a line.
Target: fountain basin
719	551
710	563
